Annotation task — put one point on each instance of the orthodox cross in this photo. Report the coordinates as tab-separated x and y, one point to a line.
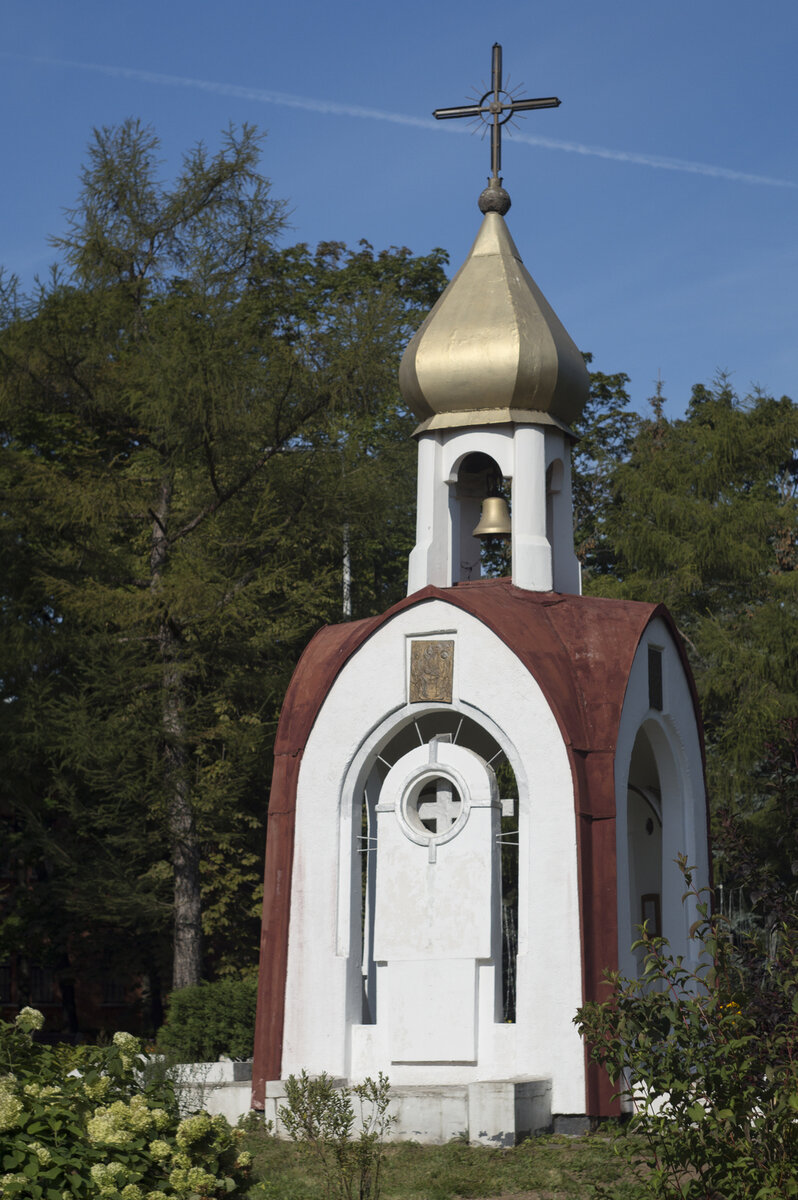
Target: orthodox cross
495	108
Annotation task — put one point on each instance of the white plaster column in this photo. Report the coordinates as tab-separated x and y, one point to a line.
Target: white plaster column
532	566
430	559
566	570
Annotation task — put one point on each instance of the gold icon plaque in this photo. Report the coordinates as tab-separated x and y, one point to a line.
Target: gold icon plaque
431	671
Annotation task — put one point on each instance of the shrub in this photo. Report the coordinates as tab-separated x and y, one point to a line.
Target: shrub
210	1020
713	1073
322	1117
79	1122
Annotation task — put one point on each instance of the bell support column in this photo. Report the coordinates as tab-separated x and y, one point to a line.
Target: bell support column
531	551
431	557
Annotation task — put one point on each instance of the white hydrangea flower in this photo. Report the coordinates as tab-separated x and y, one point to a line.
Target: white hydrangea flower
42	1153
178	1179
129	1047
10	1110
108	1176
108	1126
140	1115
199	1180
98	1089
193	1129
160	1150
29	1019
126	1042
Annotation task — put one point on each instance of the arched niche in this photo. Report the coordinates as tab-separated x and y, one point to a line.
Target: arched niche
650	884
394	740
644	840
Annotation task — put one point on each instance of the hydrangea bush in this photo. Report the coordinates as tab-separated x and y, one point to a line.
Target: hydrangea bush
83	1122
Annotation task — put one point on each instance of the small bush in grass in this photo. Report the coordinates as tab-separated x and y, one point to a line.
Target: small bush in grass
712	1069
210	1020
78	1122
322	1117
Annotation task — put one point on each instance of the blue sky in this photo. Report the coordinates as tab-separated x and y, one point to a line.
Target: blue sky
656	208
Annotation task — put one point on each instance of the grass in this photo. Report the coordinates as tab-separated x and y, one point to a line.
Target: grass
546	1168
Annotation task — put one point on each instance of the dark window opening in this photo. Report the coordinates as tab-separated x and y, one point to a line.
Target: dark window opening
655	678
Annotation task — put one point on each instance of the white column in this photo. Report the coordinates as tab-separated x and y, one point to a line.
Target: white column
430	558
566	571
532	565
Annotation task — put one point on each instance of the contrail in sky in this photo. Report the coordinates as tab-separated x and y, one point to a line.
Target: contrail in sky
333	107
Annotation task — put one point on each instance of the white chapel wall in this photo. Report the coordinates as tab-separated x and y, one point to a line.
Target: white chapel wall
323	992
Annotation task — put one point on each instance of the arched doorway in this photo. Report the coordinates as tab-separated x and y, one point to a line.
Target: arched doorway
644	841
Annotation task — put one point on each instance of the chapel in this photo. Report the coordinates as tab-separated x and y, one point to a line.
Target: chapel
481	793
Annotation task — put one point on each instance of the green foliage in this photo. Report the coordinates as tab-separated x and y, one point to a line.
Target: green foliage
210	1020
348	1145
190	417
711	1070
606	431
705	519
702	514
78	1122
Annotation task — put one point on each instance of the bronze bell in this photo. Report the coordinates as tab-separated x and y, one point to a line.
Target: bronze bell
495	519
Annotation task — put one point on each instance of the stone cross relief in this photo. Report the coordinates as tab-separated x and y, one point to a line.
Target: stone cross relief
439	805
495	109
439	814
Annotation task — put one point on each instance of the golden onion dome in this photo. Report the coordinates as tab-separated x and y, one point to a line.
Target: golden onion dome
492	349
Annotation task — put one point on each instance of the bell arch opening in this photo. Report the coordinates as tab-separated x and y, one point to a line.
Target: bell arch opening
481	500
421	729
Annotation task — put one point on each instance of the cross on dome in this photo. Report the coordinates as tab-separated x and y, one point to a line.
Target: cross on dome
496	108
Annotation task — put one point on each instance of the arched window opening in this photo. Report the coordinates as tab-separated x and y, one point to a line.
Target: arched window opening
462	730
554	480
644	839
508	790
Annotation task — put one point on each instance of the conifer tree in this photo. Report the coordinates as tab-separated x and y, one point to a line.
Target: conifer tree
704	516
188	416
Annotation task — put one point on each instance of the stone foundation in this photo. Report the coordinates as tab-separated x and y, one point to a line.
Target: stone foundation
488	1113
